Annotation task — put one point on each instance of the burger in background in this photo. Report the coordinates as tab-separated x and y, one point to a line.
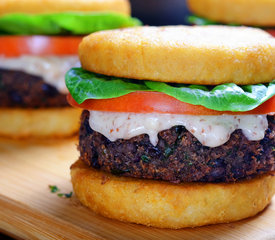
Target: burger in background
178	126
256	13
160	12
38	44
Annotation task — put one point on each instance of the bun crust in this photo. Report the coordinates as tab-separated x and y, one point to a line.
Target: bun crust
247	12
182	54
39	123
167	205
54	6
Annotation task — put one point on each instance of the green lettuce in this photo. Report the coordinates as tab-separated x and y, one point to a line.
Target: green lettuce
200	21
63	23
196	20
85	85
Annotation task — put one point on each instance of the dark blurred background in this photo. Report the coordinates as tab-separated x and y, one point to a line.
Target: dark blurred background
160	12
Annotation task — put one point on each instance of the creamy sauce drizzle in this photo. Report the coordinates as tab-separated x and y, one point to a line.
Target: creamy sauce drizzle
51	68
211	131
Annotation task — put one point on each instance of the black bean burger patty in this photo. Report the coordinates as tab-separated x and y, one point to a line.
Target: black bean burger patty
19	89
178	156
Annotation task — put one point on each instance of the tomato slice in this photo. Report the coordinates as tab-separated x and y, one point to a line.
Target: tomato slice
14	46
271	31
148	102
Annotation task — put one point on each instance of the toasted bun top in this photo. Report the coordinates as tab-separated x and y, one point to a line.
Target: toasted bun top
247	12
54	6
182	54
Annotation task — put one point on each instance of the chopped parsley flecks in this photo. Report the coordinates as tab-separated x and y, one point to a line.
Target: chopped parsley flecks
65	195
145	159
55	189
168	151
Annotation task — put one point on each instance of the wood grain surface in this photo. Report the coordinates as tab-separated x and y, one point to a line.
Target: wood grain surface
28	210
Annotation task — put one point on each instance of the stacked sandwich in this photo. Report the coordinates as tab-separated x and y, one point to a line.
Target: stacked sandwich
257	13
38	44
178	127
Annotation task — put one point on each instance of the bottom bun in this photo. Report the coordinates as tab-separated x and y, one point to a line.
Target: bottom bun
167	205
39	123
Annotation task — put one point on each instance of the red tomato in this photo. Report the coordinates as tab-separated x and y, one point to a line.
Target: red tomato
271	31
14	46
148	102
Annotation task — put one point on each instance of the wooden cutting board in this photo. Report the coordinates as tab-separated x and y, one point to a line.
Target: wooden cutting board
28	210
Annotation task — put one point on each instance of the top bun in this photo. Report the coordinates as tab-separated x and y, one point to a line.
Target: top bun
55	6
247	12
182	54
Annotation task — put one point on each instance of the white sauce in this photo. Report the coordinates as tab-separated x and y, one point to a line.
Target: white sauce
211	131
51	68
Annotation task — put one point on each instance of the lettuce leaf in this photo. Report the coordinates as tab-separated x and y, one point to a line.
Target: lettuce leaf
196	20
63	23
85	85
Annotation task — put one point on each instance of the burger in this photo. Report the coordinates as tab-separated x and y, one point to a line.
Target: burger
257	13
38	44
178	126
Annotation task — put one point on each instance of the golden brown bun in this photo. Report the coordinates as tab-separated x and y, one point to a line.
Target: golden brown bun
39	123
247	12
167	205
182	54
53	6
